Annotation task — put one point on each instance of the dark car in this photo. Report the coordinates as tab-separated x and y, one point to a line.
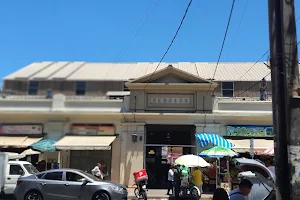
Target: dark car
67	184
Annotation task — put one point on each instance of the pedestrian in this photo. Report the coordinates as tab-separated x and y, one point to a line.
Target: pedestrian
177	182
198	179
171	180
262	89
97	171
220	194
244	190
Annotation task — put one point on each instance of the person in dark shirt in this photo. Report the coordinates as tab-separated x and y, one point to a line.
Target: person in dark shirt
177	181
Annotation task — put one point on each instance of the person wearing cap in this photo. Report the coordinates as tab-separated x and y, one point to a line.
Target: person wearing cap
244	190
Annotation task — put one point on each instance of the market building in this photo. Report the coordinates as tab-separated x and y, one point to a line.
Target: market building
130	115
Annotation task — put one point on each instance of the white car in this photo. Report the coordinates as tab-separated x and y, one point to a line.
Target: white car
262	178
12	170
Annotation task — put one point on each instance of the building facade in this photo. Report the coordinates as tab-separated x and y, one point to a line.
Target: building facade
132	116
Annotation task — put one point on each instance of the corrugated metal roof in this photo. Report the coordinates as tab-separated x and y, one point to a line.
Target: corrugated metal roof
235	71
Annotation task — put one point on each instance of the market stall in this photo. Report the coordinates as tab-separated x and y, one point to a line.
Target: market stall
223	176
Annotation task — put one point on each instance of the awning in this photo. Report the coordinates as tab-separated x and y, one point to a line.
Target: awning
17	141
207	138
243	146
85	143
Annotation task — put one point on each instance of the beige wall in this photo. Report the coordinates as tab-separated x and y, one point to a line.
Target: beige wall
132	154
99	88
247	88
94	88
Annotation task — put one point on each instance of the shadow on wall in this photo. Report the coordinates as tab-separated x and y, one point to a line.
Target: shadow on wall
134	161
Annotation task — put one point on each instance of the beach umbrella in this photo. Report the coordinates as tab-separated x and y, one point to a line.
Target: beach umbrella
191	161
206	138
218	152
44	145
29	152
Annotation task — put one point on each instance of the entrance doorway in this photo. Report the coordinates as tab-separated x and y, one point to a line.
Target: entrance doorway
165	143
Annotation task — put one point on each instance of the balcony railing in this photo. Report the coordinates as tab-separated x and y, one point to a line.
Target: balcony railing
223	104
60	103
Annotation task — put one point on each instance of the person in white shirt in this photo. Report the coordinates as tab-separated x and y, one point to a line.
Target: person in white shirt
244	190
97	172
170	180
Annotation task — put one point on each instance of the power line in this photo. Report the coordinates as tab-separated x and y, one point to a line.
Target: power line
137	29
260	58
254	64
170	45
238	27
223	43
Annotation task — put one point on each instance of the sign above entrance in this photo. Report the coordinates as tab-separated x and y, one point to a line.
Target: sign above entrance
21	129
170	100
92	129
250	131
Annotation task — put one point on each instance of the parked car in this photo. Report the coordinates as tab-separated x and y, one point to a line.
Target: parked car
262	178
11	169
67	184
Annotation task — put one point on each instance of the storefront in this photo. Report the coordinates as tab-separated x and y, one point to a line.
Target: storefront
87	145
17	138
165	143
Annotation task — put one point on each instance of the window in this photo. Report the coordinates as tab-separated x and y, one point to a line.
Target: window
33	87
39	176
125	88
80	88
70	176
227	89
56	176
16	170
31	169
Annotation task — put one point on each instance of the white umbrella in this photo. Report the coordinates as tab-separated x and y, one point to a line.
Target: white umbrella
191	161
29	152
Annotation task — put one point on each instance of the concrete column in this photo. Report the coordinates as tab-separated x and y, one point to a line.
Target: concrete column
132	153
116	155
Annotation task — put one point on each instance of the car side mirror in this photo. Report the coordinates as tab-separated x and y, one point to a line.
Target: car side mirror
85	182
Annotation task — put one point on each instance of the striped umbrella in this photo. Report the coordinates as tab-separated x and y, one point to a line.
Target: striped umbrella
204	139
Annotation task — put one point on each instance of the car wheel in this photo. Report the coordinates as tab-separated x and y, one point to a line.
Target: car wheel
33	195
101	196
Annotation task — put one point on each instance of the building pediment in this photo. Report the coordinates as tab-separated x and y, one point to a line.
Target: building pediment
171	78
170	74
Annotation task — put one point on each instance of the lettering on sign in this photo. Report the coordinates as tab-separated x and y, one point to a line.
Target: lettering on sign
21	129
170	100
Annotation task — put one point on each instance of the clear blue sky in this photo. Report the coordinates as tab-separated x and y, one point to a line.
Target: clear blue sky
98	30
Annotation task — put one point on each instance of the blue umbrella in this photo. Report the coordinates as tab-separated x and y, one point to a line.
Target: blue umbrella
44	145
204	139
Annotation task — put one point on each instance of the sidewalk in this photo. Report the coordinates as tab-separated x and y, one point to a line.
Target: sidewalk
160	194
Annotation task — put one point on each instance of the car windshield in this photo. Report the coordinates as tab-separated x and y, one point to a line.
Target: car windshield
30	169
94	178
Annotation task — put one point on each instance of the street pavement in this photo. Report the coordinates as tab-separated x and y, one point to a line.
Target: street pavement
152	194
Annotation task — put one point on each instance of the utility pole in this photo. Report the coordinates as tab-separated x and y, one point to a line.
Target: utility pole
285	98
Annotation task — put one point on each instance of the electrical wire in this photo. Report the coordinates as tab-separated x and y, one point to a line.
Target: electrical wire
239	25
223	43
260	58
137	29
170	45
